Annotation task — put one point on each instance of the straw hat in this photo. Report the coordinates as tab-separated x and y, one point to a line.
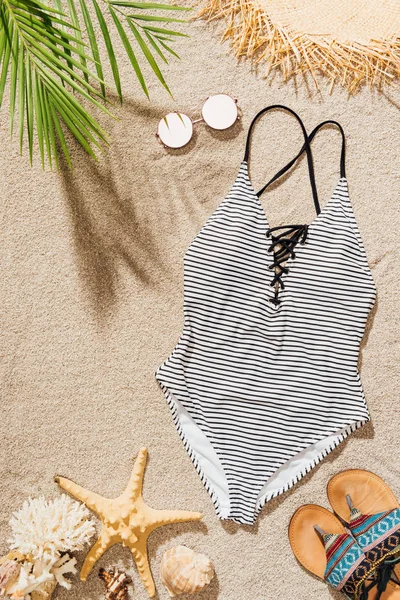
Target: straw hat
352	42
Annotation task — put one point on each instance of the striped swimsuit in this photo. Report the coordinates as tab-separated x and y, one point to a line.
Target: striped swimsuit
263	382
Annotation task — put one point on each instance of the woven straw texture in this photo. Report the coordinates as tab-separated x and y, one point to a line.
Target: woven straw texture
351	42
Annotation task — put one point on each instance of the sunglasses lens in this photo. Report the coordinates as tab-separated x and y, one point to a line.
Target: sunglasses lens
220	111
175	130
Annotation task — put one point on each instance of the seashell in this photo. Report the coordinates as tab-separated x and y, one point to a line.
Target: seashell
116	582
184	571
45	591
9	573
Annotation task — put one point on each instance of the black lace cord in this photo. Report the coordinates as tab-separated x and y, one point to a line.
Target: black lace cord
306	147
310	139
293	233
384	573
283	245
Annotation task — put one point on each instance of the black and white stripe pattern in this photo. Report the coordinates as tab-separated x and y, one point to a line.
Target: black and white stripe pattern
261	393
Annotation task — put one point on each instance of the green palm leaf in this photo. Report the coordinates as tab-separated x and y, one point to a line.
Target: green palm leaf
42	64
110	48
80	45
5	54
145	35
164	31
93	43
156	18
53	68
129	50
21	92
166	47
147	53
157	48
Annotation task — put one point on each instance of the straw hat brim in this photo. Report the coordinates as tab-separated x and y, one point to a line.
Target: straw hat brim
352	43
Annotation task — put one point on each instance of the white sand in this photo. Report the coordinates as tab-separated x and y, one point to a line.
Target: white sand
91	298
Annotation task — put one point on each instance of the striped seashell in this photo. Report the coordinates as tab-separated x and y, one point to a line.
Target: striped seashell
9	572
184	571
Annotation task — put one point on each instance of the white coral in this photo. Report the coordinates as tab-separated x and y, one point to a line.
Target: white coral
33	576
41	527
64	565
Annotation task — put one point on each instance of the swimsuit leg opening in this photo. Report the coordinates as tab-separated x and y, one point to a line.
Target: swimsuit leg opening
302	462
202	454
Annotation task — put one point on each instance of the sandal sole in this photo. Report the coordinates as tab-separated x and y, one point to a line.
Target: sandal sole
305	542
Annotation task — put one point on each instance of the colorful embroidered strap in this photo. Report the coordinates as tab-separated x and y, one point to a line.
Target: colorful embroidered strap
370	549
347	566
378	535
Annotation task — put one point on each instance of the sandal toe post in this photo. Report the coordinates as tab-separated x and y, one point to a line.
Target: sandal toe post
367	504
368	492
322	545
306	544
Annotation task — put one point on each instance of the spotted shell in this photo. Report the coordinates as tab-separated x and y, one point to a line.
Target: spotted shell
184	571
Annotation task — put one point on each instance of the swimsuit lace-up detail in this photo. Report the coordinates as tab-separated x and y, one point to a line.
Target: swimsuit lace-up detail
261	393
283	245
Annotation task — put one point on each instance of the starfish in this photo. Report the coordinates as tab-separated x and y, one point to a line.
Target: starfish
127	520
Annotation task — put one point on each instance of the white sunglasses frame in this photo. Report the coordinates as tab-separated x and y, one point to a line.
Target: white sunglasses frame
199	120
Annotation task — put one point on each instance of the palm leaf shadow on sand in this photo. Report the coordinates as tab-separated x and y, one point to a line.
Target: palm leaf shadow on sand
116	207
123	206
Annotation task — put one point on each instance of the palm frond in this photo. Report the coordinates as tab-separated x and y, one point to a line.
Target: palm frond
51	62
110	49
80	46
157	48
43	67
162	43
144	34
129	50
148	54
155	18
5	54
93	43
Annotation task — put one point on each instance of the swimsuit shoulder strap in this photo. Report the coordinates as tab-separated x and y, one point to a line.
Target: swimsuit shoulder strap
306	148
303	149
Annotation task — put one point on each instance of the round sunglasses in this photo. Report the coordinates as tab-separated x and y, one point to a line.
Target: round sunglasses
175	130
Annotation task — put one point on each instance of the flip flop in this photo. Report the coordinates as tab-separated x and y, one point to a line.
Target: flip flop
367	504
332	554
